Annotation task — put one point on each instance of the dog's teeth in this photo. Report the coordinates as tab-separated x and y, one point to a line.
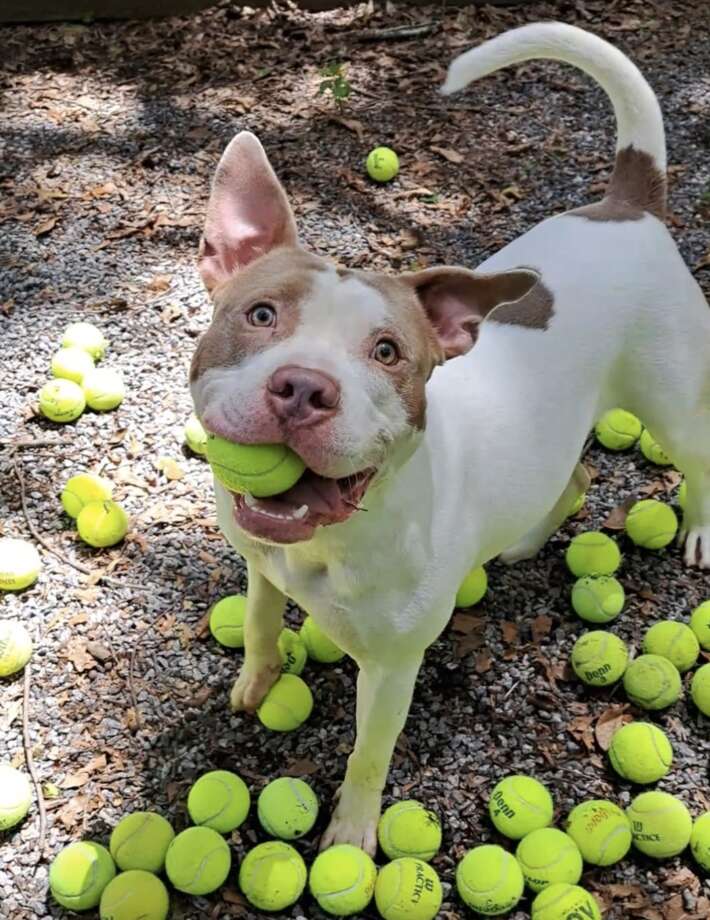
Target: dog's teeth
250	501
300	513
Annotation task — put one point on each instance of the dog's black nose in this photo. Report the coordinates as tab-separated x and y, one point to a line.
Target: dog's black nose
302	396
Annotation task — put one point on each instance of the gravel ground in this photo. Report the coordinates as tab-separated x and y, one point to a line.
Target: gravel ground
111	133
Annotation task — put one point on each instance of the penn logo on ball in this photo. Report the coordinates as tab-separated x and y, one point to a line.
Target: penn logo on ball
520	804
599	658
292	650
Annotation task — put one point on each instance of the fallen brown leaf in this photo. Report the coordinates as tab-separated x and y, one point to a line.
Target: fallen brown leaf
609	722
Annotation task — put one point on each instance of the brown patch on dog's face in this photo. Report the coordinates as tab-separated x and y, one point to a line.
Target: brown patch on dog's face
636	187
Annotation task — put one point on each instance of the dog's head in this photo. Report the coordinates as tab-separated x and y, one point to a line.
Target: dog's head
331	362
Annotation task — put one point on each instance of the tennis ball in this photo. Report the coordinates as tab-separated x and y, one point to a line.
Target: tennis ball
87	337
641	752
577	504
102	523
652	450
651	524
652	682
103	389
520	804
318	645
592	553
293	652
15	796
273	875
198	861
601	831
382	164
15	647
408	889
660	824
565	902
61	400
287	808
342	880
72	364
140	841
598	598
683	495
195	436
219	800
409	829
699	622
79	874
135	894
260	469
489	880
599	658
618	429
674	641
472	588
20	564
82	489
549	855
700	689
287	705
700	841
227	620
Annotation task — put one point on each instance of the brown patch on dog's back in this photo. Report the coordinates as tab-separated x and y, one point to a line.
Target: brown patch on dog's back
533	310
637	187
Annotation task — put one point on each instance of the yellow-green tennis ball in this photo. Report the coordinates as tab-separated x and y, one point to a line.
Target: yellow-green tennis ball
293	652
599	658
641	752
651	524
342	880
287	808
198	861
618	429
102	523
699	622
20	564
592	553
652	682
700	841
15	647
219	800
79	874
382	164
547	856
140	841
520	804
61	400
195	436
489	880
700	689
227	619
683	495
472	588
565	902
15	796
408	889
409	829
87	337
598	598
674	641
260	469
601	831
133	894
577	504
318	645
82	489
660	824
287	705
72	364
273	875
652	450
103	389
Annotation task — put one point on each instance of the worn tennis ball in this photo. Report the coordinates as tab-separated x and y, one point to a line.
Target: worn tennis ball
700	689
20	564
287	808
577	504
700	841
592	553
318	645
565	902
219	800
652	450
674	641
683	495
652	682
618	429
61	400
227	619
520	804
273	875
102	523
79	874
82	489
103	389
598	598
409	829
87	337
198	861
260	469
651	524
382	164
699	622
601	831
195	436
15	796
287	705
408	889
15	647
72	364
293	651
342	880
140	841
489	880
135	894
641	752
660	824
599	658
472	588
548	855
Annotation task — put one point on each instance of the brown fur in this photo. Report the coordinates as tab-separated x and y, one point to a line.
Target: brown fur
636	187
533	310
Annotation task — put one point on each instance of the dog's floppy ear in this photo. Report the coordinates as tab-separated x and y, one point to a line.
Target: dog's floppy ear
248	212
456	300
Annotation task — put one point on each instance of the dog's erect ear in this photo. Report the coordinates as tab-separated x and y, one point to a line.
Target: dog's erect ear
248	212
456	300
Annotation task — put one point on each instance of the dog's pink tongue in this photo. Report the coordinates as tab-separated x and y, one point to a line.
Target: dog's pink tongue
321	495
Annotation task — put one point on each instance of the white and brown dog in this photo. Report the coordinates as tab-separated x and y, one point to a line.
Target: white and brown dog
453	464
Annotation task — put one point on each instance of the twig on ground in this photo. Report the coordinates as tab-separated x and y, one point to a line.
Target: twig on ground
396	33
29	760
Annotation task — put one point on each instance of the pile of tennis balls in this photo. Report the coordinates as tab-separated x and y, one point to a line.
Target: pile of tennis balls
619	430
100	521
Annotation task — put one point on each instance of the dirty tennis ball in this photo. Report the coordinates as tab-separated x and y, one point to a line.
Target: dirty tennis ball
652	682
82	489
287	808
565	902
700	689
652	450
342	880
140	841
618	429
292	650
699	622
674	641
641	752
72	364
102	523
660	824
103	389
318	645
520	804
472	588
15	647
700	841
599	658
260	469
577	504
547	856
132	894
598	598
409	829
489	880
408	889
198	861
15	796
61	400
195	436
87	337
219	800
382	164
79	874
273	875
651	524
601	831
20	564
287	705
592	553
227	619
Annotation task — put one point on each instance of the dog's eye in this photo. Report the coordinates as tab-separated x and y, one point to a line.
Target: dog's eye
386	352
263	314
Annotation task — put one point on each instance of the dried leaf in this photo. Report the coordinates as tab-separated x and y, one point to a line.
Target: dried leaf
170	468
453	156
609	722
79	656
484	663
159	283
510	632
616	519
540	627
72	812
304	767
464	623
45	226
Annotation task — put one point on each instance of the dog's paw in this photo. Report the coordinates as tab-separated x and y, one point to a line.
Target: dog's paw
354	821
697	546
252	685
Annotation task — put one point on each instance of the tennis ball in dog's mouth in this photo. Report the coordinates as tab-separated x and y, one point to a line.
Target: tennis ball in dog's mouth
61	400
287	808
473	588
598	598
652	682
195	436
409	829
592	553
342	880
79	874
652	450
700	689
618	429
140	841
15	647
489	880
102	524
601	830
15	796
547	856
227	619
318	645
599	658
408	889
564	902
103	389
520	804
382	164
674	641
641	752
132	894
660	824
260	469
20	564
72	364
699	622
82	489
220	800
87	337
198	861
287	705
273	875
651	524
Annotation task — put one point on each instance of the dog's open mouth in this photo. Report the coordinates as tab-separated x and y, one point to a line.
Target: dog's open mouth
314	501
